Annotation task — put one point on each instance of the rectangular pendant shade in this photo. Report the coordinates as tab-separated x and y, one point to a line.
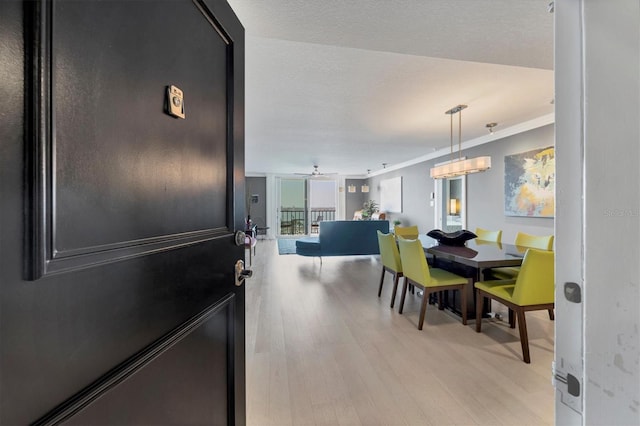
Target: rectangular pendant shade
461	167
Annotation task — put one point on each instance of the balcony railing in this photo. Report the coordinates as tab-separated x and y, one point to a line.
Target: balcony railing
295	220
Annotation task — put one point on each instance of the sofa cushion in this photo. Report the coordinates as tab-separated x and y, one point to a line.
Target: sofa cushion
308	246
344	238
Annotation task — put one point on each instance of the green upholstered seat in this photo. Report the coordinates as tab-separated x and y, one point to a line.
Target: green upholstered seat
523	242
489	285
390	258
416	271
533	290
505	273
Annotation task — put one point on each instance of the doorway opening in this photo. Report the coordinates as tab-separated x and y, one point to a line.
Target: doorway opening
451	210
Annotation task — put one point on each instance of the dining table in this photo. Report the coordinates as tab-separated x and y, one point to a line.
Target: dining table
472	260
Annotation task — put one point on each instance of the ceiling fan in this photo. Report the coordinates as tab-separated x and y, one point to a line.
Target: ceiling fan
315	173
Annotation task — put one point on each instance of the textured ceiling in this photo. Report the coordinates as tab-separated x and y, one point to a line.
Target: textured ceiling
351	84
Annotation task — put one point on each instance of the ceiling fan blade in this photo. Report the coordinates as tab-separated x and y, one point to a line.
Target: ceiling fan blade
315	173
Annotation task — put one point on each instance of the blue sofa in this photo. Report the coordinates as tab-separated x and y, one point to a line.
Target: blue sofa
344	238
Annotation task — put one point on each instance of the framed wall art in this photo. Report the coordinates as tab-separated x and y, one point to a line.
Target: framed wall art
391	195
529	183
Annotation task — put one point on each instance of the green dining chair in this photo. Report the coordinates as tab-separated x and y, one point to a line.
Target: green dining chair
491	236
488	243
540	242
432	280
390	258
523	242
406	232
532	290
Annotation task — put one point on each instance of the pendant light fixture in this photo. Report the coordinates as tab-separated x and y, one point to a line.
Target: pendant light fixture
365	186
459	167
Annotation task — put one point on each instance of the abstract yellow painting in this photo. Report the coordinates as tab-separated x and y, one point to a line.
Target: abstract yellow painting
529	183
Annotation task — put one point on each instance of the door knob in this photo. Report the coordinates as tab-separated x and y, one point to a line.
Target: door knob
241	273
239	237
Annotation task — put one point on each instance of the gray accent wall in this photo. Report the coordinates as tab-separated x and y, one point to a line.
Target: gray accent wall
485	191
354	200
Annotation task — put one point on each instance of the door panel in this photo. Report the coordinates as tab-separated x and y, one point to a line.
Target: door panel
191	359
117	295
141	169
161	180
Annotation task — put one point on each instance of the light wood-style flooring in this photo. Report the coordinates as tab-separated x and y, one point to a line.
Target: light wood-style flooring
323	349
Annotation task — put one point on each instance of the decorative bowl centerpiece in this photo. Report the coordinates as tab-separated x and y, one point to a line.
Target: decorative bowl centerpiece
457	238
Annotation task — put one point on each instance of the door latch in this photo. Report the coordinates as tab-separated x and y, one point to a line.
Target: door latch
241	273
572	382
571	395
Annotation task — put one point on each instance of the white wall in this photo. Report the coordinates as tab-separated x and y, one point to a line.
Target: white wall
568	357
612	255
598	112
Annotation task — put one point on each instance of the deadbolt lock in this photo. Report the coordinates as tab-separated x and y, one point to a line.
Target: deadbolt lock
241	273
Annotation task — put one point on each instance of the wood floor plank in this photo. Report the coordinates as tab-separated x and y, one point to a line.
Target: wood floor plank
279	400
323	349
300	400
258	389
346	413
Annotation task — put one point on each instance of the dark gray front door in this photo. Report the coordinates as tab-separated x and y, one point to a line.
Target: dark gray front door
118	302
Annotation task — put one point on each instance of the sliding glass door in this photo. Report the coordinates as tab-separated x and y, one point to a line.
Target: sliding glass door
304	203
322	202
292	210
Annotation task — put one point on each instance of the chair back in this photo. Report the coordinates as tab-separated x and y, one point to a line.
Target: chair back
486	235
534	241
414	261
488	243
406	232
389	254
536	280
378	216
